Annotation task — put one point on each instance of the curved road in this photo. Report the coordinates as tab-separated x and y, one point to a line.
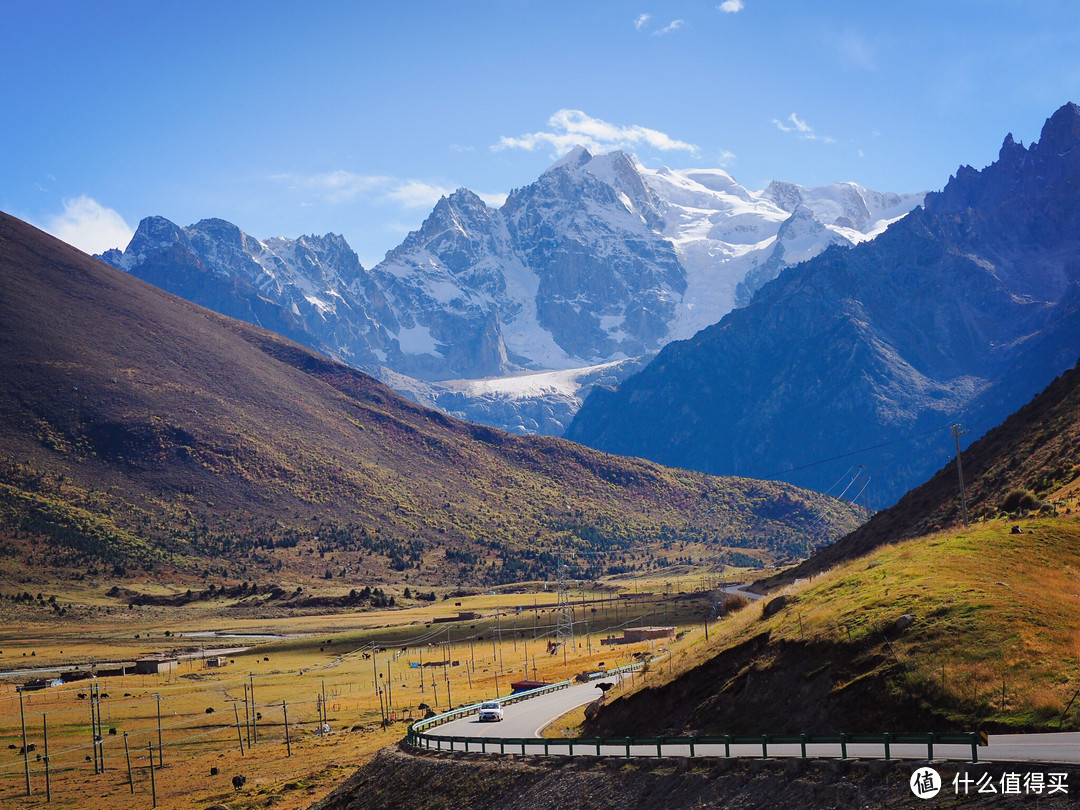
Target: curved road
529	717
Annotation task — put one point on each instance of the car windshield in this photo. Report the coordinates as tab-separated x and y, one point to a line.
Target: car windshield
489	705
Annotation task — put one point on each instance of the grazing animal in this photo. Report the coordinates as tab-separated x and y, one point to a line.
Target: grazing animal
238	782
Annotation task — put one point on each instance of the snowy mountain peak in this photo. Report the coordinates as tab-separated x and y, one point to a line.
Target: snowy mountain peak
574	159
600	259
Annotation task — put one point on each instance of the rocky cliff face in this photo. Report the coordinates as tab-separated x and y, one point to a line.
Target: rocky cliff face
960	312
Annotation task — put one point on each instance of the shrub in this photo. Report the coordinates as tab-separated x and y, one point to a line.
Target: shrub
1017	499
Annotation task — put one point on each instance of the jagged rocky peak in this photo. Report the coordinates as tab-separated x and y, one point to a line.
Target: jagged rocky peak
786	196
1061	132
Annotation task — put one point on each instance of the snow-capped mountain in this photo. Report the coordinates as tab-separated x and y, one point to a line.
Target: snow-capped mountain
598	261
310	289
961	312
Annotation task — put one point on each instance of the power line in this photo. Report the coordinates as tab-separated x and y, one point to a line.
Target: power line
856	452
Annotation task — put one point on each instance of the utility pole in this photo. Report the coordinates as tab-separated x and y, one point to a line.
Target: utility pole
25	752
160	748
564	629
957	432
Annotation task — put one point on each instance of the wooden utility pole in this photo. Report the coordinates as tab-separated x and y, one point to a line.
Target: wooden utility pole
153	783
236	714
288	742
48	777
26	753
160	752
254	714
127	756
957	432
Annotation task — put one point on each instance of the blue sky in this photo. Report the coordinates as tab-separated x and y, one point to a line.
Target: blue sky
353	117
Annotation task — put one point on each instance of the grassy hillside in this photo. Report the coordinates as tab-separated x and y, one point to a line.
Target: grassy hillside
993	644
142	436
1027	464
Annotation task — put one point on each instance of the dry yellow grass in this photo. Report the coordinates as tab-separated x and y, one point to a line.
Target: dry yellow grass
334	657
992	609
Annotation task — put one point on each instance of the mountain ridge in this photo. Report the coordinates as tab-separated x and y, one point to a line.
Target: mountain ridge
959	312
159	439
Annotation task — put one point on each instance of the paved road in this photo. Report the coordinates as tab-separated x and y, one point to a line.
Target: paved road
526	719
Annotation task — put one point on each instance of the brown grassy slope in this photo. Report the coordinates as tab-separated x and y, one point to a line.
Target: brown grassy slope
991	645
139	429
1037	449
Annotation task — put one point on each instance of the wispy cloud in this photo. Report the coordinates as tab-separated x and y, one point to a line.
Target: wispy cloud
854	49
801	129
725	158
730	6
88	225
570	128
642	21
341	186
674	25
417	194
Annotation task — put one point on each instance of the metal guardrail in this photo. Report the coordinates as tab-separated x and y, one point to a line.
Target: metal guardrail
615	746
419	738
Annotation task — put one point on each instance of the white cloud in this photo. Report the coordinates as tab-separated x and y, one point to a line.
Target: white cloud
494	200
570	128
337	186
89	226
642	19
674	25
341	187
417	194
730	6
801	129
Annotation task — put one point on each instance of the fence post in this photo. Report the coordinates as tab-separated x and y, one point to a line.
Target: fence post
930	746
727	745
628	748
888	740
843	746
764	746
659	747
974	746
802	744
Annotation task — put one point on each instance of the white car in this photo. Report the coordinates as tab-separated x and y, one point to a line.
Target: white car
490	710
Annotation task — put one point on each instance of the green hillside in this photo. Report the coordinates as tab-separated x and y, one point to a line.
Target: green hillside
144	437
993	608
